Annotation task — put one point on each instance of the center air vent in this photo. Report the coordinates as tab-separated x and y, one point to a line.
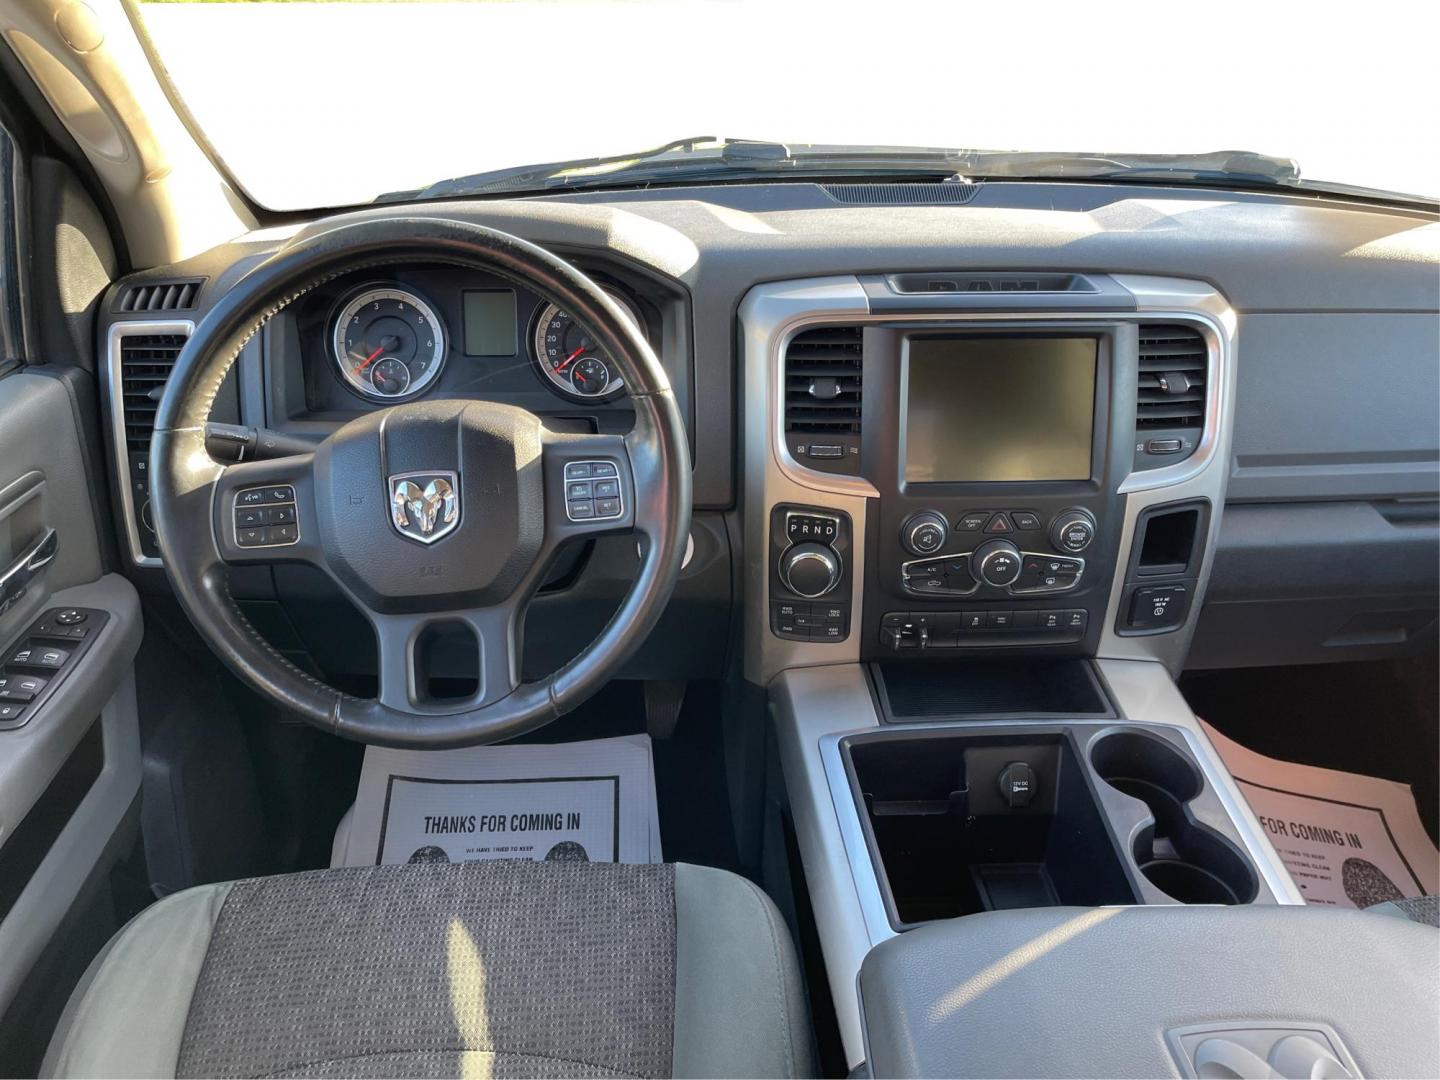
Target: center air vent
160	296
1170	392
822	397
145	363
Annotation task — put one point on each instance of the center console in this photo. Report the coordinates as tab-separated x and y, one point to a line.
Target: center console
980	510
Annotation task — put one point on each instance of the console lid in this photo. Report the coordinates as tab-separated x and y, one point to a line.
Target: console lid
1152	991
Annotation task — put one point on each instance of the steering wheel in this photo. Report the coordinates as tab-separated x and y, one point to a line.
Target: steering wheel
425	514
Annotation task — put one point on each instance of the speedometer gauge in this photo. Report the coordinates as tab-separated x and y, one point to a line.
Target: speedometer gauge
388	343
570	358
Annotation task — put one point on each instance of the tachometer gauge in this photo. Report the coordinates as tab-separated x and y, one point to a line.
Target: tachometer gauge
389	344
572	361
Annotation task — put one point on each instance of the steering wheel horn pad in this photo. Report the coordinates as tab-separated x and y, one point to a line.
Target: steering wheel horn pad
429	512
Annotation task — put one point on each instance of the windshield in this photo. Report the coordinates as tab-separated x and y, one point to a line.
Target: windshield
328	104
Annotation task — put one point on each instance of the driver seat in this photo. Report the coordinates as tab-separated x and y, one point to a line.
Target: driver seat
501	969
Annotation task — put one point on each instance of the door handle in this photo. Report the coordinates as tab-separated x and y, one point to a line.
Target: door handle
30	565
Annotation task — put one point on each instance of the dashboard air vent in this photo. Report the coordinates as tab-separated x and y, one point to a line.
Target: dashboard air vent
160	296
1173	372
145	363
822	397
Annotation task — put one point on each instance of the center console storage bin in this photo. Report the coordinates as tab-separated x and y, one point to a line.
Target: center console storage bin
961	822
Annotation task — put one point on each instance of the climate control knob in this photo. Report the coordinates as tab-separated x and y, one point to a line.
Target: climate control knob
996	562
1072	531
810	570
924	533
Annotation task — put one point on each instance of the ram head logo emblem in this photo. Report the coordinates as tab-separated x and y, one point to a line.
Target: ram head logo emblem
425	505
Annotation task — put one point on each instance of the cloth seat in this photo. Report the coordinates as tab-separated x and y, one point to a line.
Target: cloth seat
502	969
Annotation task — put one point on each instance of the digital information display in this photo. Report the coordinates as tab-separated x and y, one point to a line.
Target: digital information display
490	322
999	409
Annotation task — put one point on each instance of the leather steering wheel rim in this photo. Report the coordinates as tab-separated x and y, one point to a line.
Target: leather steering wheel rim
189	515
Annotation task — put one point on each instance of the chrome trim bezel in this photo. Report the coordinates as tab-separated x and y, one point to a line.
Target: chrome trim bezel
112	389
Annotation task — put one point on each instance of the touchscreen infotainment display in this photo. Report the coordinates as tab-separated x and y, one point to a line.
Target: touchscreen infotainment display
999	409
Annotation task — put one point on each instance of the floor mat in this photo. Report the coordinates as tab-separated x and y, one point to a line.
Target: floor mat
589	802
1348	840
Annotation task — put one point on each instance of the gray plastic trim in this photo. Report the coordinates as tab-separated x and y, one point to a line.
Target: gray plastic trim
31	755
114	400
771	315
815	708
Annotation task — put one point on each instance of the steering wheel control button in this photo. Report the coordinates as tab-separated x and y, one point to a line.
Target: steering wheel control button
265	517
1073	531
924	533
588	498
1160	606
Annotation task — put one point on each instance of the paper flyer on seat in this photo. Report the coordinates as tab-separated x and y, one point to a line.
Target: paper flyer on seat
571	802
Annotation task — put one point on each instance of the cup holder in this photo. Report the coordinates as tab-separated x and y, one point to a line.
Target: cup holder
1188	861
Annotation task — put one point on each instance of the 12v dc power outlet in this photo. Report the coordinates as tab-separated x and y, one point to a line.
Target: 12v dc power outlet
1017	784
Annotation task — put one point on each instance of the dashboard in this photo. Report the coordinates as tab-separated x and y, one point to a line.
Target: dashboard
1062	419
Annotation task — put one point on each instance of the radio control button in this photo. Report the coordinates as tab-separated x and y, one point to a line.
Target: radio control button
924	533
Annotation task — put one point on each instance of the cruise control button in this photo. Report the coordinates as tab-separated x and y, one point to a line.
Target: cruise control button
582	490
607	508
580	510
579	470
607	489
604	468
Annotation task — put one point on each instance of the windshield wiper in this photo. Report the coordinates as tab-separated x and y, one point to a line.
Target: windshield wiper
708	158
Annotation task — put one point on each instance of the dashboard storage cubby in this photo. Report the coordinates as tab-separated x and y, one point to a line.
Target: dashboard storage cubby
959	823
1184	858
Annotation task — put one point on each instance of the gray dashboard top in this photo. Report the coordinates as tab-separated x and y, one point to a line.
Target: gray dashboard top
1268	254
